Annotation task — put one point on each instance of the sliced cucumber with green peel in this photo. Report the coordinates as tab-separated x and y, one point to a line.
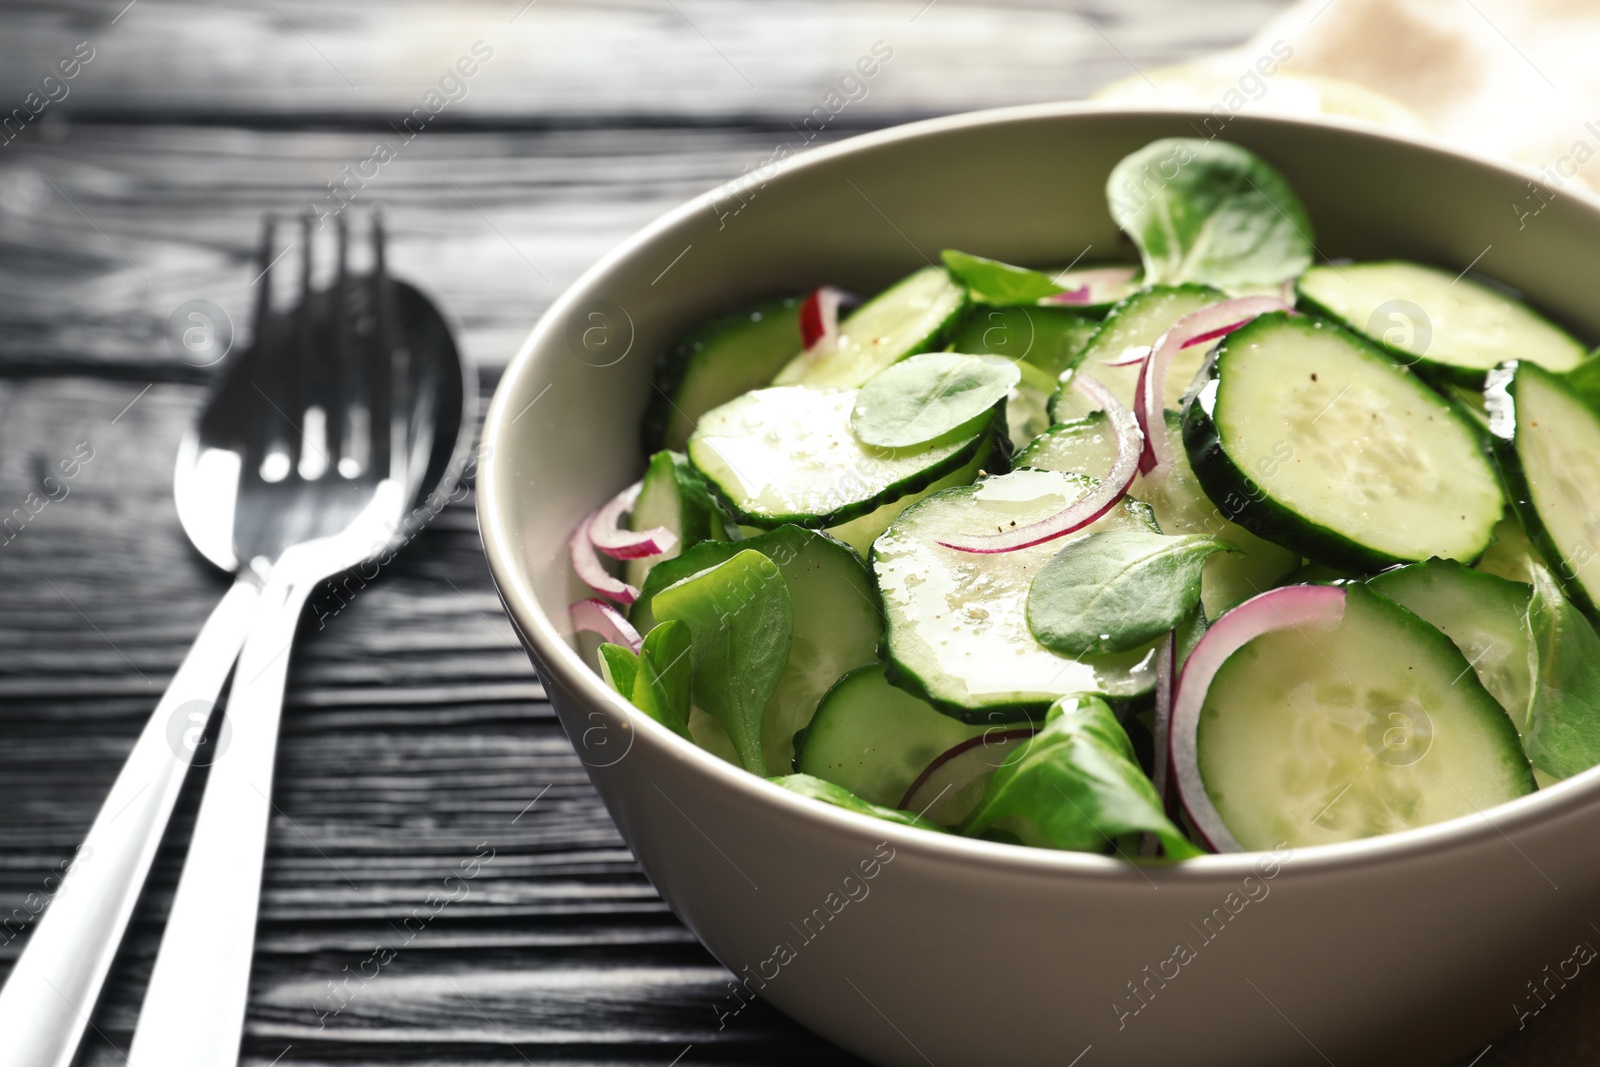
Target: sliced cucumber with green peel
1547	443
1182	507
1469	401
874	738
1511	555
1027	414
1137	322
1316	574
1083	446
914	315
837	622
717	362
1485	616
1314	439
672	496
860	532
1445	324
787	454
957	626
1311	736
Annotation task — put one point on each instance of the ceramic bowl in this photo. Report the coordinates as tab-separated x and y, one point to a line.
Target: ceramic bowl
911	948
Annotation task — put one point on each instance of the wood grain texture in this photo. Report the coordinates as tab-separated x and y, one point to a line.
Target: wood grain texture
416	736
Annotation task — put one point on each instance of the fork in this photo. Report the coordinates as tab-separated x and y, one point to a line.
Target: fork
308	510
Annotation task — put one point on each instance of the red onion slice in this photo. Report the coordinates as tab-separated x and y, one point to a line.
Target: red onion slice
1317	607
1198	327
1130	355
1090	286
1092	504
580	547
819	316
957	767
1072	297
598	617
606	534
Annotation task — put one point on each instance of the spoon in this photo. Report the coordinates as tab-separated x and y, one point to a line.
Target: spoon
385	407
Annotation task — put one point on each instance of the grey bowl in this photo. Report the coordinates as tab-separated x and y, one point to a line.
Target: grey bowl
1411	948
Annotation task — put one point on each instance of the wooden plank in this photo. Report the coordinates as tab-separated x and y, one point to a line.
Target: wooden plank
698	62
112	228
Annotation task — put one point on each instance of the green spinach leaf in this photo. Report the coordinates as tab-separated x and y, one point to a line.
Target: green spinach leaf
923	398
741	626
1585	378
1076	786
998	284
1562	734
1211	212
1113	591
661	685
840	797
620	668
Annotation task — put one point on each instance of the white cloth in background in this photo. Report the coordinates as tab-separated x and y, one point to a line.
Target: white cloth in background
1513	79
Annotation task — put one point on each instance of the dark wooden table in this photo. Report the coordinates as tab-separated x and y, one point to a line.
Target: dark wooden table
416	735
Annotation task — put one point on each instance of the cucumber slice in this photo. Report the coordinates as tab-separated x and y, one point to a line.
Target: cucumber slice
786	454
1182	507
1316	574
1378	726
1485	616
914	315
729	355
1547	443
1511	555
672	495
837	622
1049	338
1027	414
859	533
1136	322
1314	439
1083	446
957	626
874	738
1449	326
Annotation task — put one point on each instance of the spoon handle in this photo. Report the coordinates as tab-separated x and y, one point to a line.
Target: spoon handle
48	998
194	1006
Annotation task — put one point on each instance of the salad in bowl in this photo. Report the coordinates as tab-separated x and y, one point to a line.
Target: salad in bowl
1230	549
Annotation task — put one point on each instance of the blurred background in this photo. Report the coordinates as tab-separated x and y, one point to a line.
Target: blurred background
513	142
583	122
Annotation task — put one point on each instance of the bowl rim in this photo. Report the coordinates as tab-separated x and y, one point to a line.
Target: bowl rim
534	626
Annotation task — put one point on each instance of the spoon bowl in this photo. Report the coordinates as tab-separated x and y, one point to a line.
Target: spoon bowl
211	493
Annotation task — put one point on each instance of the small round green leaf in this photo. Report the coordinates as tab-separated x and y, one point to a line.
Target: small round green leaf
1211	212
1113	591
925	397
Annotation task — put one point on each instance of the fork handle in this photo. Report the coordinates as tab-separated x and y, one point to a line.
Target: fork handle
51	991
194	1006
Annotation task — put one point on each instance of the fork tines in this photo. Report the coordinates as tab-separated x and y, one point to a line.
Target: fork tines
331	385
